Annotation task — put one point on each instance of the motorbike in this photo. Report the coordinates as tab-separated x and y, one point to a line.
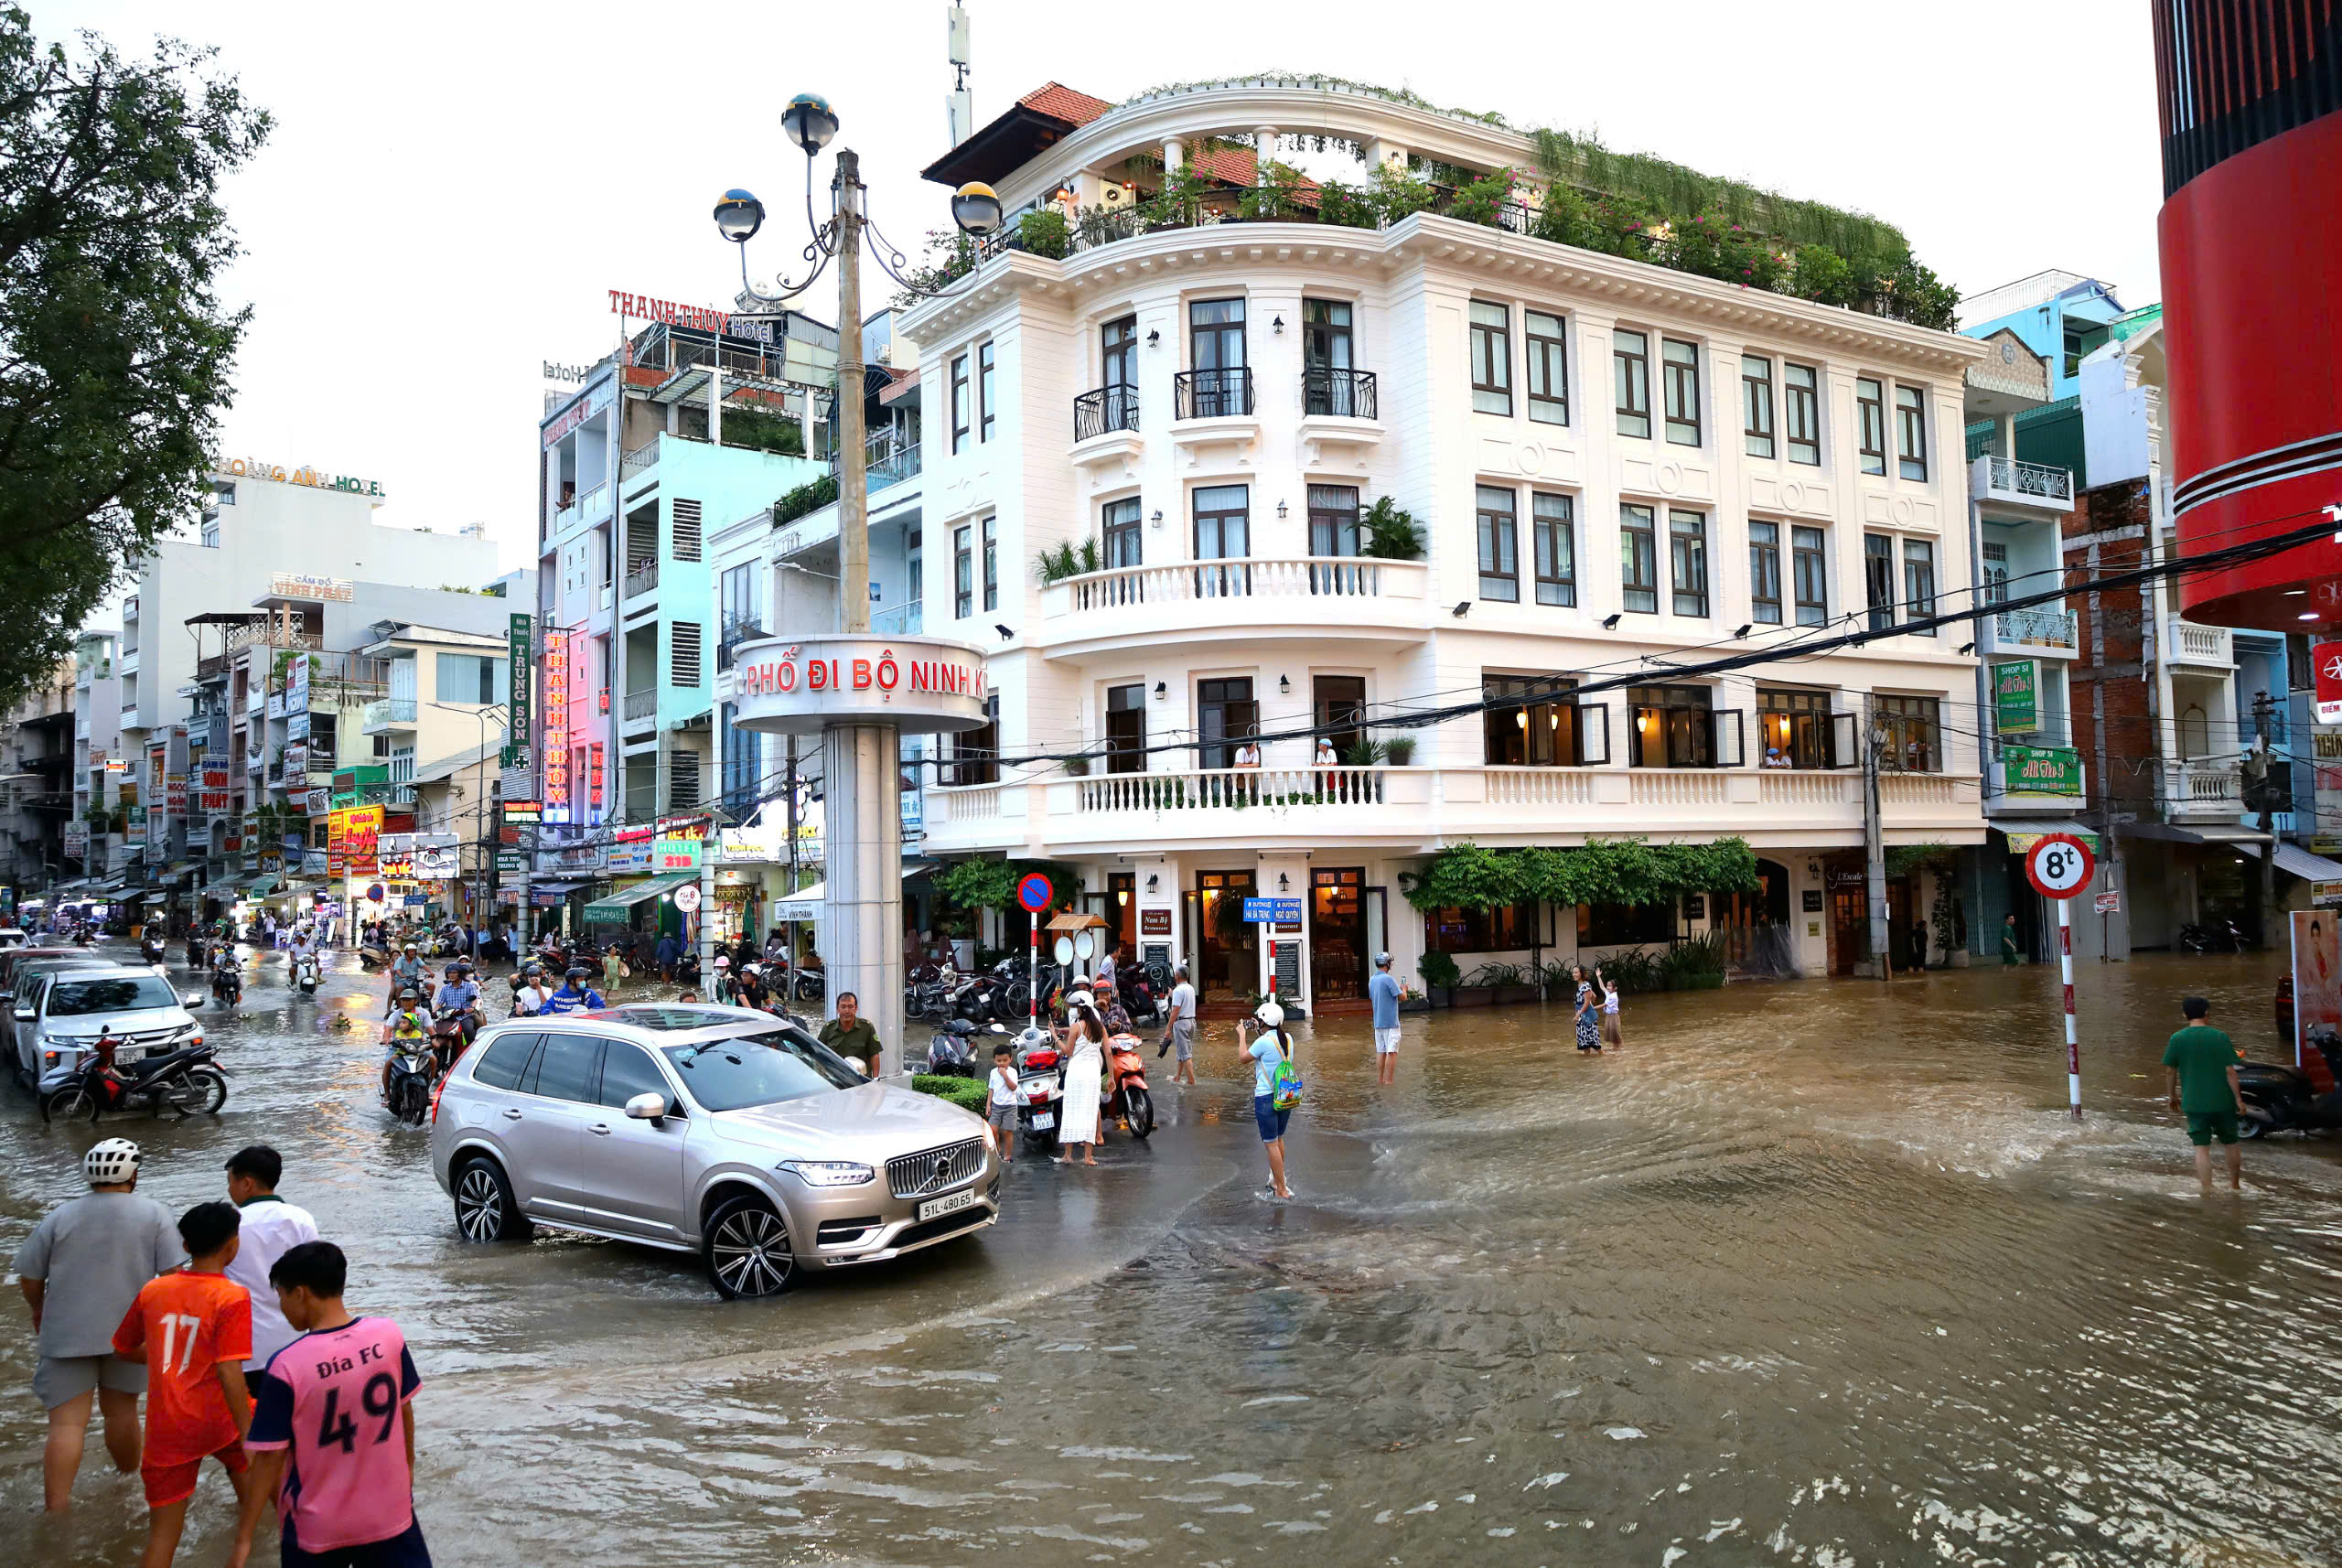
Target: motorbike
806	984
151	948
451	1036
227	981
1128	1103
1040	1088
414	1067
954	1050
198	950
925	990
2281	1098
84	934
975	998
2213	936
687	969
187	1080
1139	997
306	974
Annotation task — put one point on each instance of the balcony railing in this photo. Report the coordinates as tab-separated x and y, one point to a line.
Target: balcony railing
1224	393
1226	789
641	706
2204	786
1307	576
900	463
2193	644
2036	628
384	713
1338	393
641	579
2036	480
902	620
641	458
1108	409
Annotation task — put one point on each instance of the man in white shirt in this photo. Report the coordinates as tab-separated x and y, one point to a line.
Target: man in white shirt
270	1228
531	996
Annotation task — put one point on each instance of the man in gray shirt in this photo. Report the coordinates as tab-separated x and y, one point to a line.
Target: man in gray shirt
1182	1032
1384	991
80	1271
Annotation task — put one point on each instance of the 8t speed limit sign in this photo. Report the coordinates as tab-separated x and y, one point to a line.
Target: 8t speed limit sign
2059	866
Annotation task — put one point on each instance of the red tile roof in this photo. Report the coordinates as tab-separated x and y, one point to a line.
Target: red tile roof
1055	98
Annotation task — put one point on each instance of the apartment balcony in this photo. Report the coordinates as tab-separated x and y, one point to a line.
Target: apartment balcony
129	720
1407	807
1222	394
2035	633
892	467
2203	789
641	710
1108	410
1315	599
2188	645
2008	482
1338	408
387	715
641	578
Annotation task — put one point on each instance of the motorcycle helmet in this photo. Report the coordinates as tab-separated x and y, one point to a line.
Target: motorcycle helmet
750	969
412	948
1270	1015
722	963
576	972
1081	999
533	969
111	1160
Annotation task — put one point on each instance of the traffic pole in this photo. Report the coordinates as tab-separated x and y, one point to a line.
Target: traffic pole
1033	975
2066	973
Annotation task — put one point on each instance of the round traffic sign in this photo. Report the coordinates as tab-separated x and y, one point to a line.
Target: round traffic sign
687	896
1034	892
2059	866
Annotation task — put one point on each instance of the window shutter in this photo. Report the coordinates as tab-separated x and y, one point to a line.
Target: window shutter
682	779
686	529
686	654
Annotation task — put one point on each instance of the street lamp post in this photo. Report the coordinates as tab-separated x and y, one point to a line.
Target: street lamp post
861	919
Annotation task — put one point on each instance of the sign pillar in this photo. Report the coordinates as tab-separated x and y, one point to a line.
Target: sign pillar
1034	892
2060	866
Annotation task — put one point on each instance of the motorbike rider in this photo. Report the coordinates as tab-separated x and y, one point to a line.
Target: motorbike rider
461	995
724	977
408	972
223	965
531	996
749	987
576	993
406	1032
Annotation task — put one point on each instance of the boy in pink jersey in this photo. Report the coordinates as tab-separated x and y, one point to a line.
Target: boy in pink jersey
332	1433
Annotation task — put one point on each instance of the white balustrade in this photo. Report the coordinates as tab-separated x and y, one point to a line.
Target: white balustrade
1688	787
1788	786
1539	786
1302	577
1228	789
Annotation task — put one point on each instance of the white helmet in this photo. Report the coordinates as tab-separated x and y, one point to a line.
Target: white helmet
110	1161
1081	999
1270	1015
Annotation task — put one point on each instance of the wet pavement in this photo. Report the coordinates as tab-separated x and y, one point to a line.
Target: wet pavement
1813	1273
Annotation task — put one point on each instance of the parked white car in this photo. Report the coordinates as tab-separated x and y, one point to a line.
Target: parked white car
59	1015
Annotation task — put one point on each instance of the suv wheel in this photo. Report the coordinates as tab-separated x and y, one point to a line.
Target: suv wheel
485	1208
747	1249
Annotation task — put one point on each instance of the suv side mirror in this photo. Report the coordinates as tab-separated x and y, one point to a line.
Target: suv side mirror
647	1107
192	1000
24	1014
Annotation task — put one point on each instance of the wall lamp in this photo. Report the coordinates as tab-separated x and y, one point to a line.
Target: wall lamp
1610	622
1967	648
1157	519
1153	882
1744	629
1284	883
1006	632
1154	338
1159	689
1280	509
1277	325
1461	610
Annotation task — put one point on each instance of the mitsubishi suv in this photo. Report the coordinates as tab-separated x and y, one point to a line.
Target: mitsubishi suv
719	1130
58	1014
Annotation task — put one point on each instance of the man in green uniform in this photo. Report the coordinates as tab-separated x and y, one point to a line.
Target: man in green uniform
2202	1062
850	1035
2008	941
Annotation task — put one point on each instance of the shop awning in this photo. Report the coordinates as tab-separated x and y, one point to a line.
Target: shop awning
805	903
261	887
106	888
2167	832
2295	861
613	909
2023	842
555	887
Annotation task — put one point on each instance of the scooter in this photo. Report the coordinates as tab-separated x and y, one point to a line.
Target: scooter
954	1050
198	950
227	981
451	1036
305	974
1128	1104
1140	999
151	948
2280	1099
1040	1088
413	1069
2213	936
188	1080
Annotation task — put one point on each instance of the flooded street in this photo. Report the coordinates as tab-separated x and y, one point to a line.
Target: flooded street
1815	1273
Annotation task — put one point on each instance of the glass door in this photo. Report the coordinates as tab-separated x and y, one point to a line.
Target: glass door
1337	941
1225	715
1228	951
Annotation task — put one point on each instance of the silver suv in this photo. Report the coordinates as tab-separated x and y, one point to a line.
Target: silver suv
715	1130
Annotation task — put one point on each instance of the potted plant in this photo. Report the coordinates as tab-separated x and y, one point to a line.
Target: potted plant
1440	973
1400	750
1391	532
1079	767
1412	1001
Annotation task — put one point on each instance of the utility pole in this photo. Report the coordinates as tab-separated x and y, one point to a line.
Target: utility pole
1874	839
2256	788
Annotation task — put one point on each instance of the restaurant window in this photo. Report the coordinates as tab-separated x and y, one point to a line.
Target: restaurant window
1638	558
1870	407
1120	524
975	753
1795	727
1507	927
1914	734
1764	572
1126	729
1687	561
1919	584
1680	362
1333	519
1911	432
1810	569
1500	540
1531	723
1674	726
1624	925
986	384
1630	376
1757	403
1878	580
992	563
959	402
1118	352
1491	358
963	573
1546	353
1556	548
1802	412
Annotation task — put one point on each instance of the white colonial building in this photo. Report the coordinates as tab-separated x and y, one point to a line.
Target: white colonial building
1616	468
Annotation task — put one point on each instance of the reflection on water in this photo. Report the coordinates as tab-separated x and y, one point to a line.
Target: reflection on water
1812	1273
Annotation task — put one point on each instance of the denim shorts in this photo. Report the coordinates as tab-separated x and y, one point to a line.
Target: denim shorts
1269	1118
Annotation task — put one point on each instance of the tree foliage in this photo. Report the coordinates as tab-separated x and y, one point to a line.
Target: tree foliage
967	885
115	352
1606	871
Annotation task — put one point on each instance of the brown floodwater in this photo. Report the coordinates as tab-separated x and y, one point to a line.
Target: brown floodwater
1813	1272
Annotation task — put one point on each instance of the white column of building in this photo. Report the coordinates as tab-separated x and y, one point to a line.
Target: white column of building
861	920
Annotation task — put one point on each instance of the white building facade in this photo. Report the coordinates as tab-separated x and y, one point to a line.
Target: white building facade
1616	467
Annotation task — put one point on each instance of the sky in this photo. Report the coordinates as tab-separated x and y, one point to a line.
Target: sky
452	191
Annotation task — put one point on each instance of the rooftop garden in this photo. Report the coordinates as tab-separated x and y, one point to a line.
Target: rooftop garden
1578	192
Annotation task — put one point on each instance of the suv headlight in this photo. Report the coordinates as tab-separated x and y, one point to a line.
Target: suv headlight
829	1172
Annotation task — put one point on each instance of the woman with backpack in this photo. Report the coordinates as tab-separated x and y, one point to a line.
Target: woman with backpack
1276	1087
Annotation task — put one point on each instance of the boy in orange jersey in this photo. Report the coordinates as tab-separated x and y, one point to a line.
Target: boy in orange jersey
193	1329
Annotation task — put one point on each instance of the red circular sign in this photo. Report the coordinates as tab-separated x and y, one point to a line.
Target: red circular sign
2059	866
1034	892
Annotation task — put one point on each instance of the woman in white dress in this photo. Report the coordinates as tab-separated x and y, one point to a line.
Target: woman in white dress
1085	1072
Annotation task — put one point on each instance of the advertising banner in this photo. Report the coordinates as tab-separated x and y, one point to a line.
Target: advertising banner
77	840
2317	987
2326	662
435	862
175	794
2042	770
556	770
2017	696
213	793
361	831
520	641
296	685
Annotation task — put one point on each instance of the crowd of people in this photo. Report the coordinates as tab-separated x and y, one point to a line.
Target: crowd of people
230	1322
